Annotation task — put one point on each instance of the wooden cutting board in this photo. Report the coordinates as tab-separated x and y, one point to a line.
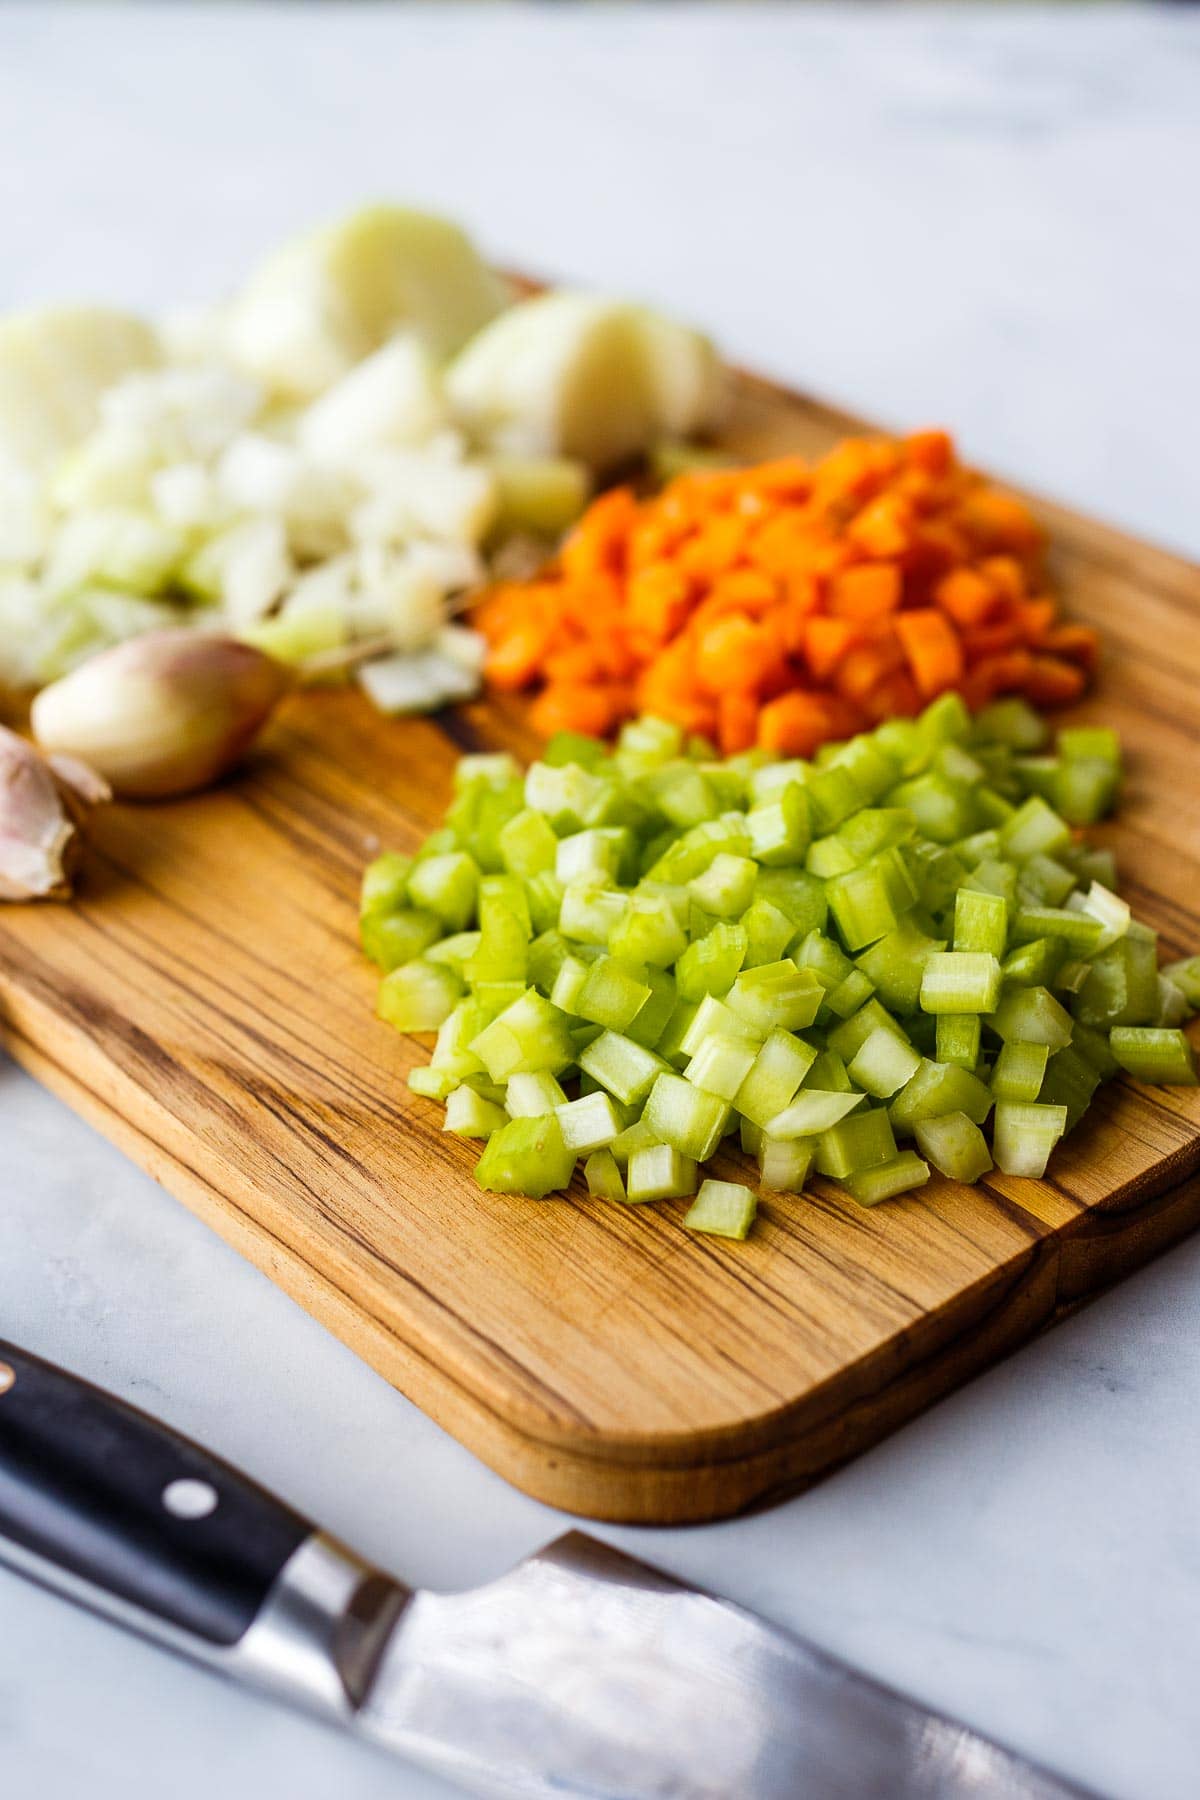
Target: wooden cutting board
205	1004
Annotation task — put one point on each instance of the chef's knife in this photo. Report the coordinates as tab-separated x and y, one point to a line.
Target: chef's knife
581	1672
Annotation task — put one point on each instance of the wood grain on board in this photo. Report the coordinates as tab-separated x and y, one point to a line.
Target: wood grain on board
205	1004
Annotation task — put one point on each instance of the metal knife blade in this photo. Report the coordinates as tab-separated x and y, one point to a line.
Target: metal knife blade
581	1672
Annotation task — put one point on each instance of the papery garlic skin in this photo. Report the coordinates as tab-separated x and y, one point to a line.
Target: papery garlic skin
165	714
42	803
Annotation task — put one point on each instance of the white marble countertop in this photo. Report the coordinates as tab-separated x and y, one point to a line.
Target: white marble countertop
980	218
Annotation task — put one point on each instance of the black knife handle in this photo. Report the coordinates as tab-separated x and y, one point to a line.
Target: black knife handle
111	1496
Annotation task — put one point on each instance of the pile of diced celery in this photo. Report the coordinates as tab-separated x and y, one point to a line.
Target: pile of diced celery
852	965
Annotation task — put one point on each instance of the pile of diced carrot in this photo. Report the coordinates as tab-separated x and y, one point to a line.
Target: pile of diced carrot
790	603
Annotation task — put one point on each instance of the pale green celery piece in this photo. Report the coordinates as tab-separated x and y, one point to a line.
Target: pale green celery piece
780	827
1122	986
1019	1071
1012	721
418	996
544	893
713	1017
722	1208
710	965
573	747
1024	1135
533	1095
547	954
827	960
849	995
595	853
955	1146
1070	976
1036	964
566	794
958	765
1045	881
828	857
446	885
648	931
958	1039
946	720
776	995
1090	863
783	1163
659	1172
798	894
875	829
1081	935
1070	1081
810	1113
682	794
452	1054
1038	775
944	810
994	876
1173	1008
454	951
488	769
721	1065
431	1083
886	1180
981	846
980	922
589	1123
670	1041
700	922
496	997
778	1069
624	1069
506	891
770	778
938	1088
655	740
470	1115
1089	743
686	1117
750	1136
848	1038
960	981
1034	827
651	1020
862	905
636	1136
590	909
603	1177
527	1036
527	843
385	883
1031	1015
393	938
1159	1055
858	1142
726	887
502	953
895	965
475	821
673	893
692	853
905	743
768	932
870	767
829	1073
526	1156
1110	912
610	994
1086	789
833	794
883	1063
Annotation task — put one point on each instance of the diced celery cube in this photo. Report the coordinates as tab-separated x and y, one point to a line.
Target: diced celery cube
960	981
502	953
829	1074
1162	1057
830	857
566	793
1011	721
1109	911
938	1088
686	1117
468	1114
862	905
849	995
446	885
992	876
654	740
392	938
1045	881
810	1113
1080	935
624	1069
526	1156
1035	964
944	810
710	965
544	893
385	882
776	995
946	720
1031	1016
691	854
1034	827
418	996
721	1065
573	747
610	994
858	1142
1024	1135
590	910
833	794
682	794
784	1162
980	922
454	951
1070	1081
895	965
722	1208
768	931
651	1019
532	1095
648	931
603	1177
726	887
1086	789
958	1038
659	1172
431	1083
955	1146
883	1063
489	769
596	853
589	1123
527	843
780	827
527	1036
886	1180
1019	1071
800	895
776	1073
637	1136
848	1038
713	1016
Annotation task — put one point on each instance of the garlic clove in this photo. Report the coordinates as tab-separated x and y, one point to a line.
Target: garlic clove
164	714
41	809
